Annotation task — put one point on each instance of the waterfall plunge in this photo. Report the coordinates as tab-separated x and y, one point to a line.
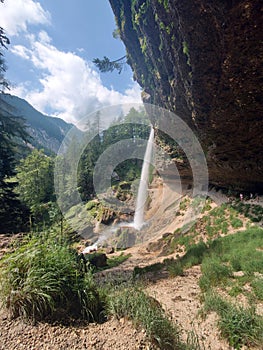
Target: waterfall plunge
143	186
141	198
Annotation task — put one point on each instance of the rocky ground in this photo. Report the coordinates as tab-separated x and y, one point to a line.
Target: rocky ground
114	334
179	296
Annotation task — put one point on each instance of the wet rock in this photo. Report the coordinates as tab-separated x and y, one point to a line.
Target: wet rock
96	259
167	234
110	250
87	243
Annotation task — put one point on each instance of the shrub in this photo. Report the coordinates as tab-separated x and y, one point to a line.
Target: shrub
194	254
146	269
117	260
184	240
184	204
235	261
91	205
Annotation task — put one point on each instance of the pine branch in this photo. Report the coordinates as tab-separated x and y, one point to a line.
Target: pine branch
106	65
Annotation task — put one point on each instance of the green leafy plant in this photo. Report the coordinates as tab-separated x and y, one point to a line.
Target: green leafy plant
117	260
146	269
165	4
236	222
107	65
186	52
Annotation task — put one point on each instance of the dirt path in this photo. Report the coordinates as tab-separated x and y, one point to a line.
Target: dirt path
180	297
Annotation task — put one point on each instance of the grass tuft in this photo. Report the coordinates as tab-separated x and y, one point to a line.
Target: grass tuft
239	325
214	273
42	278
147	313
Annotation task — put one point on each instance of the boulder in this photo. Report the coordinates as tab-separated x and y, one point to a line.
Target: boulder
110	250
96	259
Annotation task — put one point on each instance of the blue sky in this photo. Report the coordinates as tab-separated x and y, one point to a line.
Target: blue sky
53	43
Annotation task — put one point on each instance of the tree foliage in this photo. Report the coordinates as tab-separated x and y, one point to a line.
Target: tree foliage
4	41
12	134
131	127
106	65
36	185
99	141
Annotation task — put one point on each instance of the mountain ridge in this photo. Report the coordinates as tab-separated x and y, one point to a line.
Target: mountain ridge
46	131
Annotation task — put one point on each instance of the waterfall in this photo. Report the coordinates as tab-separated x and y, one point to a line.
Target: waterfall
143	186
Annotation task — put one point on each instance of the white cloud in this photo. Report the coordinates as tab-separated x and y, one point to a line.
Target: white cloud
69	85
21	51
16	15
44	38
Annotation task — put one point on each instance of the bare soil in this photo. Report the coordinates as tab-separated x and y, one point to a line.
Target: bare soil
114	334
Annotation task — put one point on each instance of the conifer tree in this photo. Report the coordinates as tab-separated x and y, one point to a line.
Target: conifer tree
12	132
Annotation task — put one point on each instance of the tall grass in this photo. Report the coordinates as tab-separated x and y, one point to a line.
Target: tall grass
146	312
214	273
257	285
239	325
239	252
42	277
242	250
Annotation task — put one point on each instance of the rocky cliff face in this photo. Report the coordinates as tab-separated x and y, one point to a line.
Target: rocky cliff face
203	61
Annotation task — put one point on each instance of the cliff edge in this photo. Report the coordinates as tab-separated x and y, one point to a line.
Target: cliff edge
203	61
